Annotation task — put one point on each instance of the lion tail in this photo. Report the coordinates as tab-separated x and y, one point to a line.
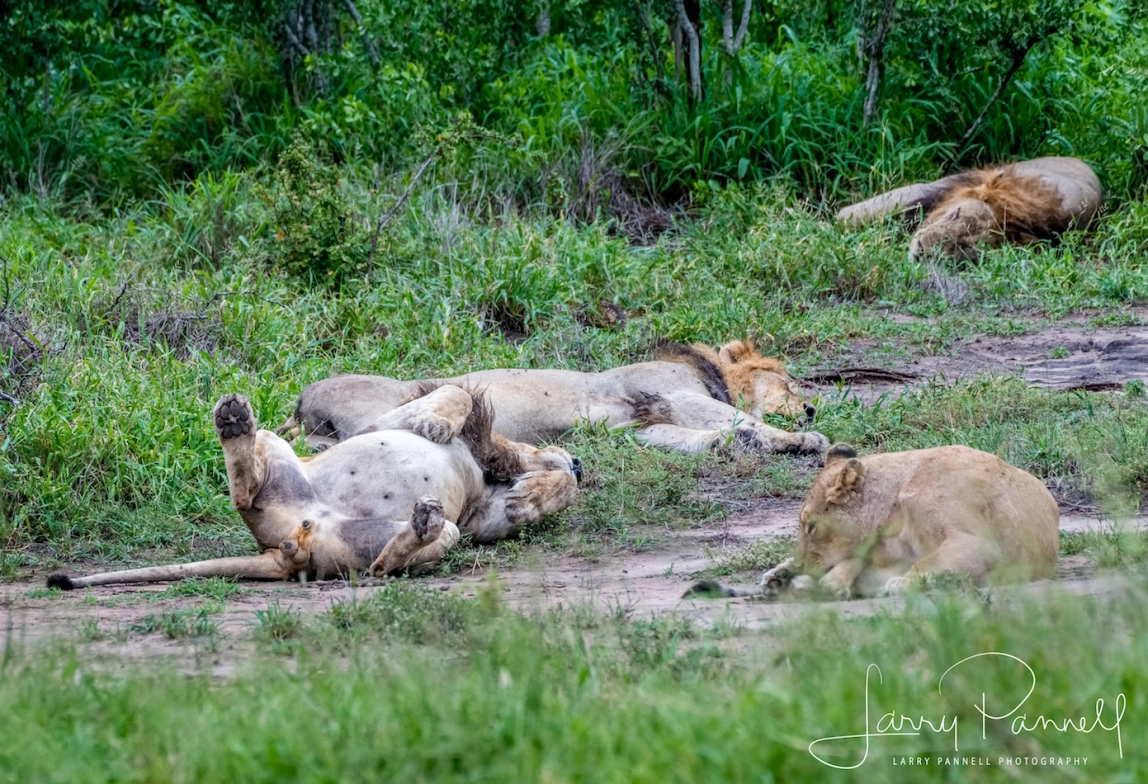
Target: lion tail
497	456
712	589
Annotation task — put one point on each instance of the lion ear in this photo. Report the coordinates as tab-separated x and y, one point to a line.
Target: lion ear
735	351
848	484
839	452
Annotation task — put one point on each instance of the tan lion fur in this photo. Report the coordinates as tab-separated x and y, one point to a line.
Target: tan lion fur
391	499
887	522
691	398
1019	203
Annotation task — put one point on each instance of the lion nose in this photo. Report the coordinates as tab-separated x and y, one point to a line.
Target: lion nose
577	468
810	411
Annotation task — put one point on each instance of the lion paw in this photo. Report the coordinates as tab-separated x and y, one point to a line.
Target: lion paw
234	417
435	428
777	579
836	586
540	492
897	585
814	443
427	520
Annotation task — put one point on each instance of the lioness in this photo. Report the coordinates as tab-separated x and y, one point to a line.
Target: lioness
1021	203
692	399
350	507
883	523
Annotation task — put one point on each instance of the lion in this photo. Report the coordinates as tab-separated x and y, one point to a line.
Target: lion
885	523
394	500
690	400
1018	203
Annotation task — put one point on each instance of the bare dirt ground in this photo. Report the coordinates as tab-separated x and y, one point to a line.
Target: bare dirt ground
642	584
648	582
1057	356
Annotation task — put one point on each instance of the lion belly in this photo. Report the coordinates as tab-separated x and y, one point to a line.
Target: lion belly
382	474
363	488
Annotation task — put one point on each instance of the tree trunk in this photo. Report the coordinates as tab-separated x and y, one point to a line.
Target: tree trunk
542	26
875	49
690	21
731	40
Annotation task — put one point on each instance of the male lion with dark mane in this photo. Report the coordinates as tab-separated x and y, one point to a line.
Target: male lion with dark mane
390	501
691	399
1019	203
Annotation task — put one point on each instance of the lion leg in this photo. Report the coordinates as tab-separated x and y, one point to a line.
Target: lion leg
437	416
839	580
716	423
675	438
960	553
421	543
526	500
246	461
270	565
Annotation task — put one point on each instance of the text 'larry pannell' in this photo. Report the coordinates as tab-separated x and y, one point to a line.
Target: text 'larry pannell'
894	724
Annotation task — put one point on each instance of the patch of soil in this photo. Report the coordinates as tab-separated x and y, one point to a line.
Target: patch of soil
1055	357
646	583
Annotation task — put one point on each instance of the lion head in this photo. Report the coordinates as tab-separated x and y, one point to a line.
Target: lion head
761	383
828	531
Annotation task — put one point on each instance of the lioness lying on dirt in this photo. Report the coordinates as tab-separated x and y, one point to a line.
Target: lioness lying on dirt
1020	203
350	508
692	399
883	523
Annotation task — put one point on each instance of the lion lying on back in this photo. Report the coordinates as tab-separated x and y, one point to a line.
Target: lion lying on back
1020	203
396	499
883	523
692	399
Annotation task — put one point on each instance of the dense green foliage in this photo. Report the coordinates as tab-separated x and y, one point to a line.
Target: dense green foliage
108	99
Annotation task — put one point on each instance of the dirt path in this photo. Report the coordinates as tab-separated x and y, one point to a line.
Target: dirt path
110	621
1056	357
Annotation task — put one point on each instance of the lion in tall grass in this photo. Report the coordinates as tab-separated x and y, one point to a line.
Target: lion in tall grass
1018	203
691	399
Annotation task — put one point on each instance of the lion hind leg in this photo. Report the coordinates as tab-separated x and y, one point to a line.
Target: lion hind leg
959	554
437	416
421	543
237	428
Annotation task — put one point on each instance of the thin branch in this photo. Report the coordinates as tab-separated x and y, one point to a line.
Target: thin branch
368	44
1017	61
694	59
743	27
4	307
386	219
876	50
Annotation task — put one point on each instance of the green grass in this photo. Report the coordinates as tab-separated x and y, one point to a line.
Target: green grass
417	684
109	453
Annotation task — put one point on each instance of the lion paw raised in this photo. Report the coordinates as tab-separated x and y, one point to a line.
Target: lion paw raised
427	520
233	417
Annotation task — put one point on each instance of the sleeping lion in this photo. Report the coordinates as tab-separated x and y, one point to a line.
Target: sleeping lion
884	523
390	501
690	400
1019	203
